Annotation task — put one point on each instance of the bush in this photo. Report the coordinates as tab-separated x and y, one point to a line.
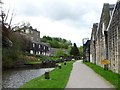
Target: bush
74	50
7	63
29	58
10	56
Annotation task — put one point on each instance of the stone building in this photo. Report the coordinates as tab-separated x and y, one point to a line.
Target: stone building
101	34
105	37
114	39
45	49
36	46
93	43
86	51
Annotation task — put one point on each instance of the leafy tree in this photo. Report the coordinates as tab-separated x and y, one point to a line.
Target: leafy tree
59	53
56	39
64	40
14	53
81	51
74	50
43	40
47	38
56	42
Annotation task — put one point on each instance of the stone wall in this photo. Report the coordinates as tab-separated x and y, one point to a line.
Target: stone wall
106	43
114	40
86	51
101	39
93	44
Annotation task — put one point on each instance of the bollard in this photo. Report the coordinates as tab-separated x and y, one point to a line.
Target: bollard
65	63
59	65
47	76
106	67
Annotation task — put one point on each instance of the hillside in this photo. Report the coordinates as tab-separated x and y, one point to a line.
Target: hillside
56	42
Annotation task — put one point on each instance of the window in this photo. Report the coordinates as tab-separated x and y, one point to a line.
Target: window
33	45
31	32
103	28
49	48
31	51
22	30
37	39
37	33
39	46
93	38
27	31
44	47
37	53
32	38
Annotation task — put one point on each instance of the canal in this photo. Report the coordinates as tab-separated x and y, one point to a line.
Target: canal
17	77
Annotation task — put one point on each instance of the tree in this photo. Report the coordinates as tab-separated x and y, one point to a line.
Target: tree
74	50
81	51
59	53
56	42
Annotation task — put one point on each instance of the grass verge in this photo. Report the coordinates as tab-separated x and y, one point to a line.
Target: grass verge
58	78
110	76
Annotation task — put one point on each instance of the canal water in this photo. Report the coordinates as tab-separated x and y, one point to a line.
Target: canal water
18	77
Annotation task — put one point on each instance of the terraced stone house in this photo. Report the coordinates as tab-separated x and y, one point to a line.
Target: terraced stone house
105	37
93	43
114	39
102	34
36	46
86	51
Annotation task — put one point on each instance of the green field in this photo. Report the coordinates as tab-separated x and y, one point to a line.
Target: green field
110	76
58	78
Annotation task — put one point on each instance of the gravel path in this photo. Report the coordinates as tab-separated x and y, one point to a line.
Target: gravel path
84	77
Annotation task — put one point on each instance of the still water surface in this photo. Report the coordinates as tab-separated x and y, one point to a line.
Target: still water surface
16	78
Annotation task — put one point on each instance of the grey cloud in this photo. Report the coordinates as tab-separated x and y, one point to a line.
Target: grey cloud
60	11
63	11
57	10
27	9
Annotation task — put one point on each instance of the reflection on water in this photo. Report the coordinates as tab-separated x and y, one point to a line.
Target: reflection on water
16	78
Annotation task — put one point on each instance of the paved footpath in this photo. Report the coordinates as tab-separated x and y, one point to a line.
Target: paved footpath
84	77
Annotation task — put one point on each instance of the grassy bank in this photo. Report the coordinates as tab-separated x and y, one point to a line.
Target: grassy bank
112	77
58	78
34	62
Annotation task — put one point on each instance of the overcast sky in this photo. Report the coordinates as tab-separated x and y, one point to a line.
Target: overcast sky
69	19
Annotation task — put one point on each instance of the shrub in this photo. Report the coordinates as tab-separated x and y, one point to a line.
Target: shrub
29	58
